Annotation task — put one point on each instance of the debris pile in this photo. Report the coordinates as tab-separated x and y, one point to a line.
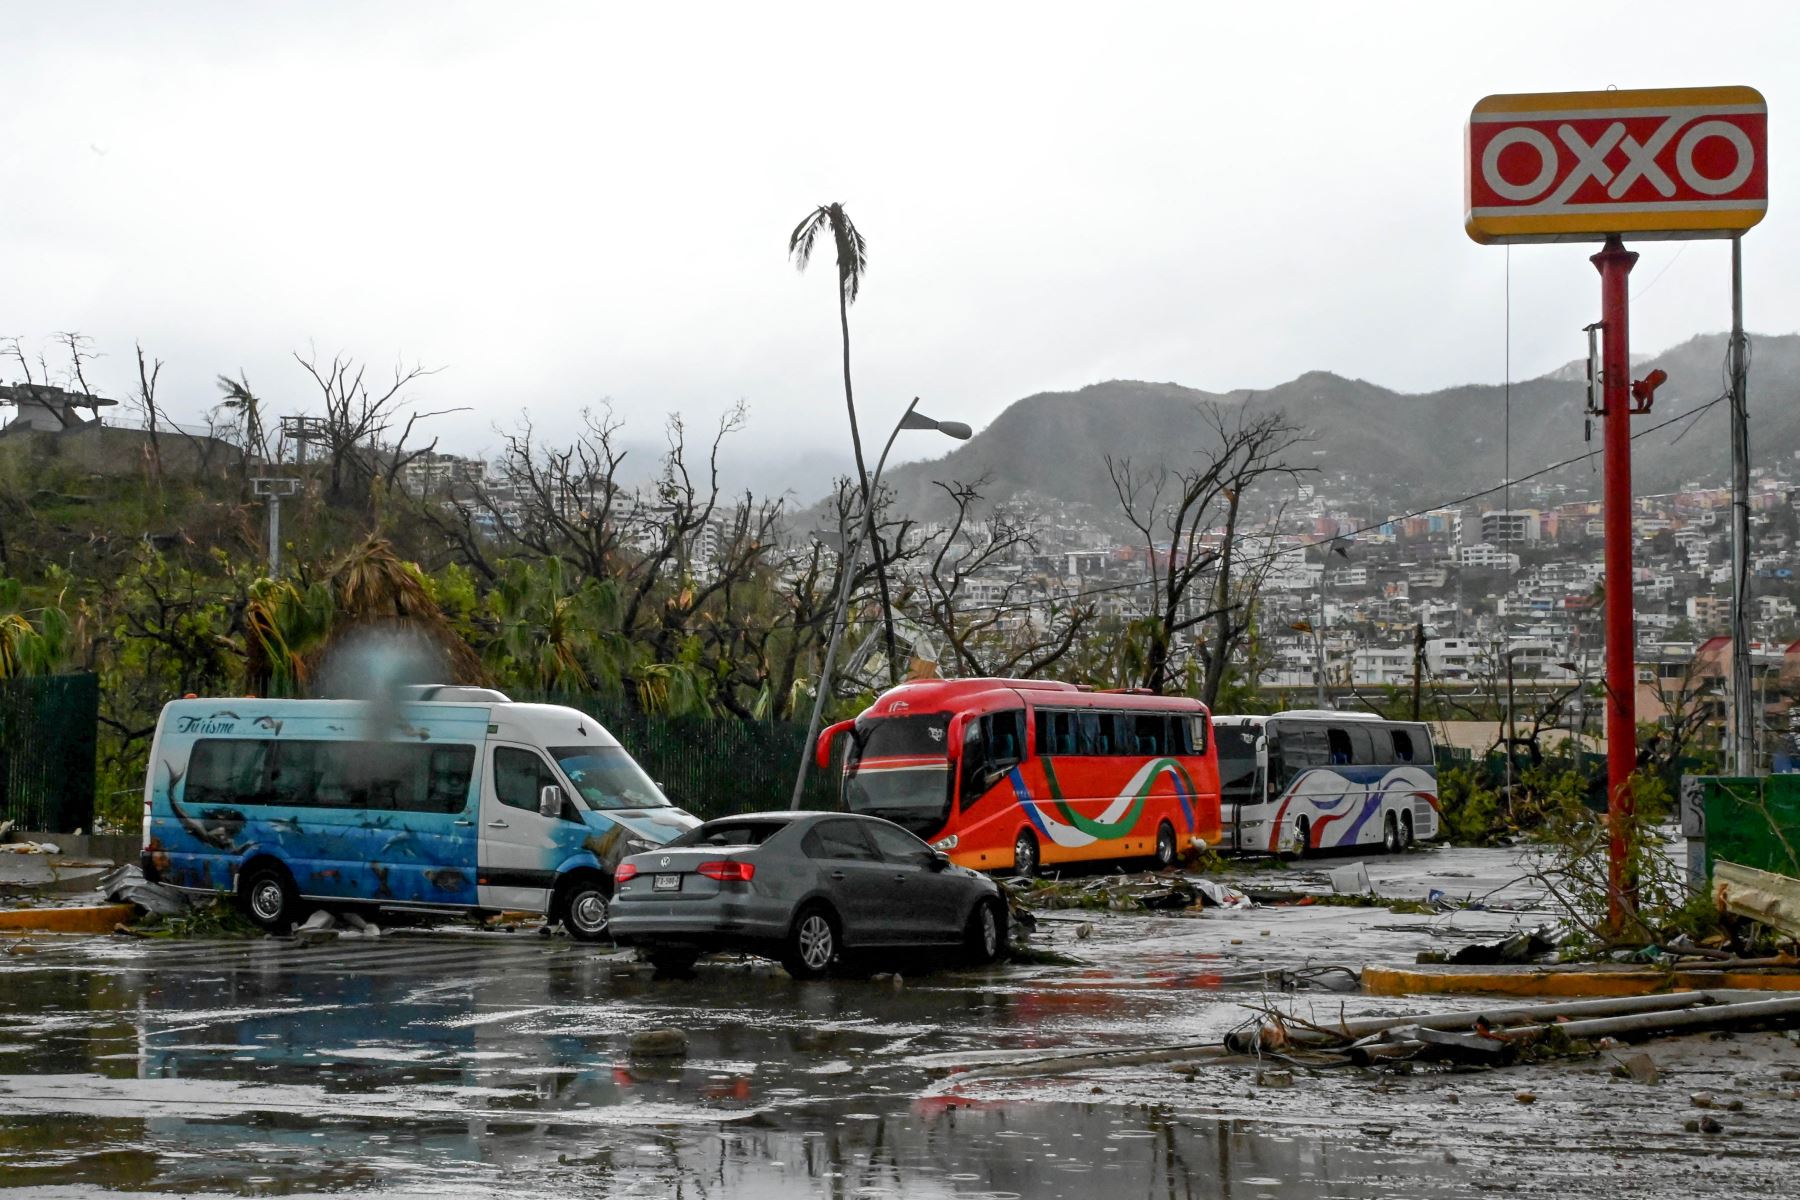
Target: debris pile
1146	891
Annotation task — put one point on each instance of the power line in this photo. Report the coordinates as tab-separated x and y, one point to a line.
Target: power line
1106	589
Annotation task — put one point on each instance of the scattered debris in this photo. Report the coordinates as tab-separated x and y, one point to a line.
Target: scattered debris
659	1043
1352	880
1275	1079
1639	1067
127	885
1528	945
1525	1097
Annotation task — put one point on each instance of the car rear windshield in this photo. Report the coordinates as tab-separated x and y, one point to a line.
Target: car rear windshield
730	833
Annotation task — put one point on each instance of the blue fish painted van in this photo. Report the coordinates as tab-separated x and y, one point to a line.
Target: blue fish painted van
452	799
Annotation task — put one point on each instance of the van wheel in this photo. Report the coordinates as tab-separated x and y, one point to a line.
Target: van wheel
269	897
1025	854
1407	840
1165	846
812	943
1390	835
583	908
985	937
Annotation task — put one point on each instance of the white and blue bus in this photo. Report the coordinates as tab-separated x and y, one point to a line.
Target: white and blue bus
453	800
1308	780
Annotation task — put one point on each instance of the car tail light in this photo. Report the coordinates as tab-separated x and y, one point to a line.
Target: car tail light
728	871
625	871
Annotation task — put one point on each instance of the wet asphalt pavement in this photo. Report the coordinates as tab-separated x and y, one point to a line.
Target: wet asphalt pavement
472	1063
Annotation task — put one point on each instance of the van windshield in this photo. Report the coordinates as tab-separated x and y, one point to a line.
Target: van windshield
608	778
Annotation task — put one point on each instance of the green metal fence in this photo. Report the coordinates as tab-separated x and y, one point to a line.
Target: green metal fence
718	766
47	729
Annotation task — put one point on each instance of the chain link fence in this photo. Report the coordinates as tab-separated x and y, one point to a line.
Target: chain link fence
48	725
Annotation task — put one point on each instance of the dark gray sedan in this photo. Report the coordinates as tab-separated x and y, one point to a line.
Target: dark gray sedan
803	888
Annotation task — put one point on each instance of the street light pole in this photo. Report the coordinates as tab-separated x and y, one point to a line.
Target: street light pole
910	419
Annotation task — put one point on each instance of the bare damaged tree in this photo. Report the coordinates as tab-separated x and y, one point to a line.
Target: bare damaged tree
144	404
365	433
999	633
1182	507
564	502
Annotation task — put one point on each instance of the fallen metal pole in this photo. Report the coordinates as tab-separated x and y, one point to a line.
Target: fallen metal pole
1526	1014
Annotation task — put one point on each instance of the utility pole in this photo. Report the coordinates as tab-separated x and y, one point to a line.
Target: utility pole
272	489
1614	263
1743	724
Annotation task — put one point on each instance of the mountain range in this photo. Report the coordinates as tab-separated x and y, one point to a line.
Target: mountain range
1410	451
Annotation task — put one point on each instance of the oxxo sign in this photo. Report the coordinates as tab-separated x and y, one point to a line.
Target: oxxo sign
1579	166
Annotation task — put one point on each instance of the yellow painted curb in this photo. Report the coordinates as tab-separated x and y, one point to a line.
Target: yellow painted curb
98	919
1578	981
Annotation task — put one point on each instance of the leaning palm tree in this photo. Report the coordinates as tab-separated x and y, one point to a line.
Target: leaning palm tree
852	265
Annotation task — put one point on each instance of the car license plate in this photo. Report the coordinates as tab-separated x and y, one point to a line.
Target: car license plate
667	883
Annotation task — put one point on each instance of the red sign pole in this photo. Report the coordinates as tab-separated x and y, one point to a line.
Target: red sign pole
1614	263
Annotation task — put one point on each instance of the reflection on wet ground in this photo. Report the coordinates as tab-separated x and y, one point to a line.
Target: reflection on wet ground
468	1063
485	1063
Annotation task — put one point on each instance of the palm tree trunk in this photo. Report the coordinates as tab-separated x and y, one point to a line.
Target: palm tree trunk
862	481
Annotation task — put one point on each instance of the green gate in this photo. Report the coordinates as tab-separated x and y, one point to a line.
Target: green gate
48	725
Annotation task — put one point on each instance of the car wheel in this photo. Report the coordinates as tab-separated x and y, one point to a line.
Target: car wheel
812	943
269	897
1390	835
1165	846
585	909
1407	840
1025	854
673	962
985	937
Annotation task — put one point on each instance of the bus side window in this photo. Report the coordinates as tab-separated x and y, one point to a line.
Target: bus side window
1005	737
1196	728
1403	747
1339	742
1301	749
1149	733
1087	733
1065	733
974	763
1041	732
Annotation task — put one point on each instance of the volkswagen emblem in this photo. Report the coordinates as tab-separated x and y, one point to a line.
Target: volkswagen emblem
665	861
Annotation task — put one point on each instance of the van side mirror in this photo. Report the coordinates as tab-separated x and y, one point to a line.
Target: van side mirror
550	802
939	860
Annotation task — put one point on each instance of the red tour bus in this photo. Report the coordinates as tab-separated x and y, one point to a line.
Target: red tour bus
1018	773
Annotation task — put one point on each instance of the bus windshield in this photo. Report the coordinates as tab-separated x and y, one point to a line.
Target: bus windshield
907	778
1237	760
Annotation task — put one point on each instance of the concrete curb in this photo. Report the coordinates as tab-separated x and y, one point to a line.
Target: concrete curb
101	918
1565	981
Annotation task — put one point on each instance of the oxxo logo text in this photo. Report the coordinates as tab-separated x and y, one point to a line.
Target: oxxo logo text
1591	163
1679	156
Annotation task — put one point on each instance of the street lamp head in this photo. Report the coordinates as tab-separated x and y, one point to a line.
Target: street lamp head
915	419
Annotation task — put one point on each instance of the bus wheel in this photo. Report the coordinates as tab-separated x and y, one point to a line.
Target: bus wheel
1165	846
1406	831
269	897
582	909
1390	835
1025	854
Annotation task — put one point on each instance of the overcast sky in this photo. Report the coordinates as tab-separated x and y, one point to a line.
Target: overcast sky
558	204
